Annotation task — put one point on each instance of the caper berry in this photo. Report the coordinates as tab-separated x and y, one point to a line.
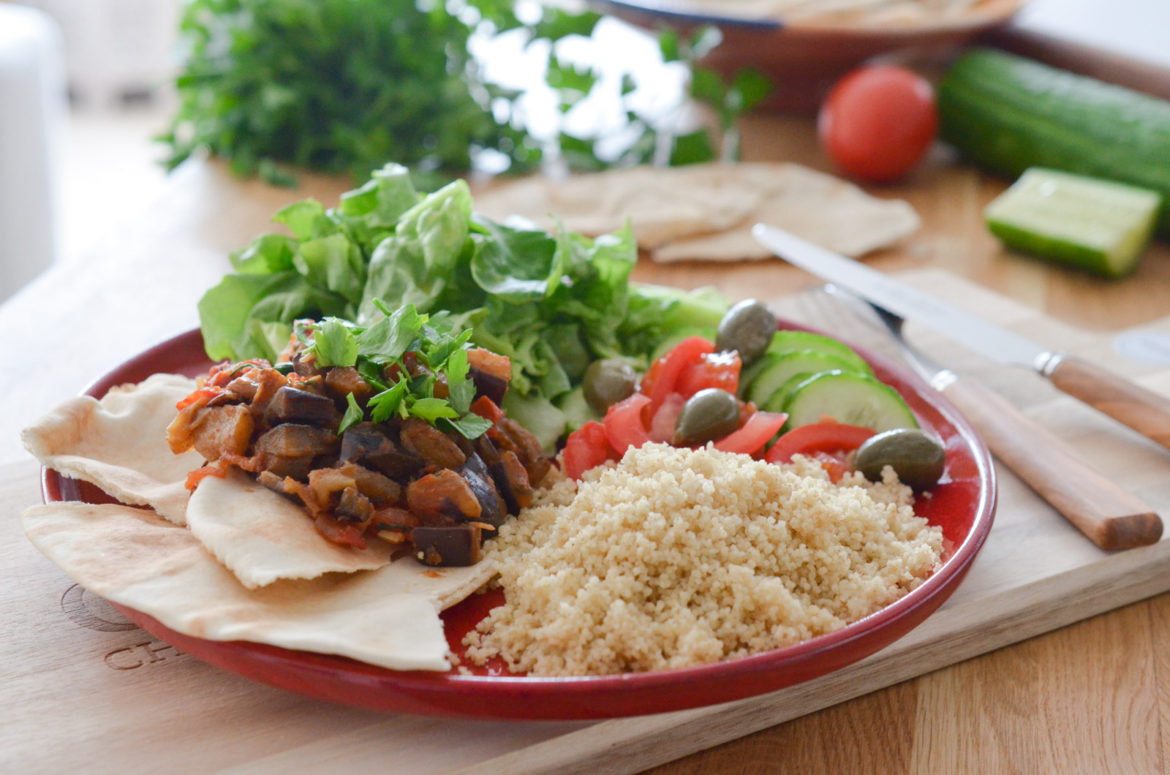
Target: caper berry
916	456
608	381
747	328
709	414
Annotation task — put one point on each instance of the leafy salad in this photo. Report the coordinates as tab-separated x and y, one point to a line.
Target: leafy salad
551	303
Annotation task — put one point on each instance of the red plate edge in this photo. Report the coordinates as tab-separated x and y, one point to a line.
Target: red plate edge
451	694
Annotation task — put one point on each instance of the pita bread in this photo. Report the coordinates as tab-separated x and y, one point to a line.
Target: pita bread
119	444
706	211
262	536
388	617
708	198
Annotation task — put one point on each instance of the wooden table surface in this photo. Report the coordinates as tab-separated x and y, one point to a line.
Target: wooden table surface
1062	702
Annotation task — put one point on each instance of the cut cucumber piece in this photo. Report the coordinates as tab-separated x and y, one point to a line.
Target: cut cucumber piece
791	340
782	367
1007	113
779	401
850	398
1097	225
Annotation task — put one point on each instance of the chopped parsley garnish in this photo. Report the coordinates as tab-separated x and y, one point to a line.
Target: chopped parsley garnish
380	353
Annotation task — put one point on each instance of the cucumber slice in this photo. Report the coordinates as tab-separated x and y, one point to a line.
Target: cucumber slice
851	398
791	340
779	401
1097	225
782	367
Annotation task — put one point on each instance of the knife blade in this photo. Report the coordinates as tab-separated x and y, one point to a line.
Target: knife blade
1142	410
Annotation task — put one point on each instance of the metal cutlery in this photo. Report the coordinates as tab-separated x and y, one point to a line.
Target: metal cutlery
1107	515
1143	410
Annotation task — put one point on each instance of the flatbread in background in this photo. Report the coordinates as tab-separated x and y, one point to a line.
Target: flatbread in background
706	211
387	617
119	444
661	203
262	537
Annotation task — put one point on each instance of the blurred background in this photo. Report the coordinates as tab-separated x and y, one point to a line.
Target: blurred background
86	84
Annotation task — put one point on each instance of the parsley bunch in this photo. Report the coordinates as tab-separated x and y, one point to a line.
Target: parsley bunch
343	86
377	352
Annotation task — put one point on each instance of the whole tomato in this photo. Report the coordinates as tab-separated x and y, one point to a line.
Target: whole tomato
878	121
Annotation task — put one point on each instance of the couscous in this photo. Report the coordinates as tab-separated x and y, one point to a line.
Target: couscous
676	557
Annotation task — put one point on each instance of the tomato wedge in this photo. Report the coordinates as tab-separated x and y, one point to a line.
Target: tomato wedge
827	437
623	423
752	435
666	377
586	448
662	425
711	370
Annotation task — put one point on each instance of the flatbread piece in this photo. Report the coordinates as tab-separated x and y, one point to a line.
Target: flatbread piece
262	536
706	211
119	444
387	617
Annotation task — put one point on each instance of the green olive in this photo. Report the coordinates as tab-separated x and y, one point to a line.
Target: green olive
709	414
608	381
917	457
747	328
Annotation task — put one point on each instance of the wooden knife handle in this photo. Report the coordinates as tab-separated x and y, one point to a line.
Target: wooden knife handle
1109	516
1143	410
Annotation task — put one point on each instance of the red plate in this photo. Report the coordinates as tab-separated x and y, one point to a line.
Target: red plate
963	507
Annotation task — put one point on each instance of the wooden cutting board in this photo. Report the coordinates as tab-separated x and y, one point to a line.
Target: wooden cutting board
84	689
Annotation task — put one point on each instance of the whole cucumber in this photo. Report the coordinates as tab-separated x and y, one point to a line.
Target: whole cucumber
1008	113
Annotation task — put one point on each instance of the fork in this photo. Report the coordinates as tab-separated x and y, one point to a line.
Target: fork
1107	515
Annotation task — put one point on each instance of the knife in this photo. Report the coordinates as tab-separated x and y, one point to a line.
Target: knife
1106	514
1143	410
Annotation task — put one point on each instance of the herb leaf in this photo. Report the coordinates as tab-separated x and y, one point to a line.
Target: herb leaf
353	414
335	343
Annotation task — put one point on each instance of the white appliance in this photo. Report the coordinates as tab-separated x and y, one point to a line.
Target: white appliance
32	110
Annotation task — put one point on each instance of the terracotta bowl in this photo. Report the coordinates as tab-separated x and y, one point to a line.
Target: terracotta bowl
805	59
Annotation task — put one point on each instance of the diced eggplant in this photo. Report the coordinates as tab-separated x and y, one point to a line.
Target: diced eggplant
291	404
257	384
511	478
368	444
181	429
305	364
363	440
380	489
450	545
488	385
342	381
296	440
222	430
353	507
431	444
442	495
509	435
286	466
396	464
273	482
487	450
490	373
493	509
